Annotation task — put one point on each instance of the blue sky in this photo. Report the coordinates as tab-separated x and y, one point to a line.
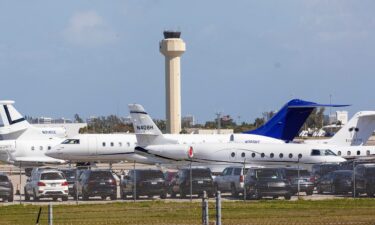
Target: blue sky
58	58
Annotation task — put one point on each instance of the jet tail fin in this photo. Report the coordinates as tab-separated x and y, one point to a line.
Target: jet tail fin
14	124
145	129
287	122
357	131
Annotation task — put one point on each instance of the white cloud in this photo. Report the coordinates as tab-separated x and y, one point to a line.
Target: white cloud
88	29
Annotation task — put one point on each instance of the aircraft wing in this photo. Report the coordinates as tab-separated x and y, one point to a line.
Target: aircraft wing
48	160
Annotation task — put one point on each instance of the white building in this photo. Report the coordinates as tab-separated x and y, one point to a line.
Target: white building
341	116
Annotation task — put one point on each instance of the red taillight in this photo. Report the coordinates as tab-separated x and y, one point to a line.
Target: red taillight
41	184
113	182
241	178
65	183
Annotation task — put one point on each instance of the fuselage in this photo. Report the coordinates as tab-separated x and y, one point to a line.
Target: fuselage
239	153
28	152
120	147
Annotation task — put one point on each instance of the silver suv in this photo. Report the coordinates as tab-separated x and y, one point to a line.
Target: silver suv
231	180
46	183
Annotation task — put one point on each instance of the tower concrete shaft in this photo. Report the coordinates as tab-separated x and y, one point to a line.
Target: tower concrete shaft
172	47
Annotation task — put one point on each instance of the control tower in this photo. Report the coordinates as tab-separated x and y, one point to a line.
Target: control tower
172	47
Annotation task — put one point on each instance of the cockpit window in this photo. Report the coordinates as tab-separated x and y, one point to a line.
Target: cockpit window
322	152
71	141
328	152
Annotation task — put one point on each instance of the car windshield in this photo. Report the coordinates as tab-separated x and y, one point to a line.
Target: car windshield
274	174
370	172
200	173
326	168
99	175
3	179
294	173
70	174
149	174
344	175
329	168
52	176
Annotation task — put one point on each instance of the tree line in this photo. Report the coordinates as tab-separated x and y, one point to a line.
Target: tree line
115	124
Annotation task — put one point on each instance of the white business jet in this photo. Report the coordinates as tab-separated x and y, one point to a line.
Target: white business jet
30	143
153	144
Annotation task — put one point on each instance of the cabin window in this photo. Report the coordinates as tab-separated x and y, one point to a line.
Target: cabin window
49	148
262	155
243	154
120	144
32	148
348	153
40	148
103	144
233	154
290	155
253	155
231	138
272	155
339	153
281	155
358	152
299	155
129	144
368	152
112	144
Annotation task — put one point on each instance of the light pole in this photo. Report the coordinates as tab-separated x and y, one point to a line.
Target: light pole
298	174
243	174
191	184
354	193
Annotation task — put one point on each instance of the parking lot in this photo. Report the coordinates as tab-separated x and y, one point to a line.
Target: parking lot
19	181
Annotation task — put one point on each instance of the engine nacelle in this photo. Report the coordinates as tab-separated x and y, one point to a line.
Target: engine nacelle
178	152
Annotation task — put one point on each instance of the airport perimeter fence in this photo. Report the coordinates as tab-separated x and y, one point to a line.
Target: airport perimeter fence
200	211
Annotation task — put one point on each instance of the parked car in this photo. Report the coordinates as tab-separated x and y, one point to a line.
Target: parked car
336	182
302	177
6	188
264	182
201	181
365	179
46	183
321	169
93	183
350	164
231	180
143	182
70	175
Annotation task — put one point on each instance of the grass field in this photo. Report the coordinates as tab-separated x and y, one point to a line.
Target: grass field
343	211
